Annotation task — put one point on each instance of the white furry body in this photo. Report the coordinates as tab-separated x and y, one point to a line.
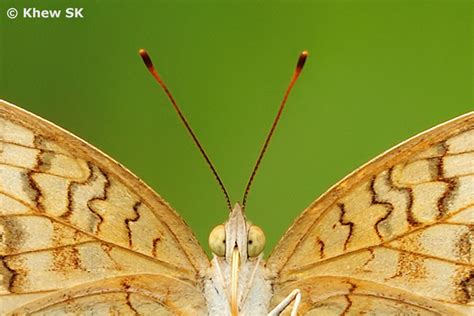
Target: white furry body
254	293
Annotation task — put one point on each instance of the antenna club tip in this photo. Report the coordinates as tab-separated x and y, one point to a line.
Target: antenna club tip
146	58
302	59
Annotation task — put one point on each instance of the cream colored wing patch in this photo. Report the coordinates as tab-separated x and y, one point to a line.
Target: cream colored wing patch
403	223
70	216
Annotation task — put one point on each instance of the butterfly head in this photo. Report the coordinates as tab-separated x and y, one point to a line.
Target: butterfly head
237	235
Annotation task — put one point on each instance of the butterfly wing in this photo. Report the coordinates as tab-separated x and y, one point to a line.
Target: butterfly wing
78	232
395	235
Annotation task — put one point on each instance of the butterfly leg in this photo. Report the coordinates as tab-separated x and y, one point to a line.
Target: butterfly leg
295	296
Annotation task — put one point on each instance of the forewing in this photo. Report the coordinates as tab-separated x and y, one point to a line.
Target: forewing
70	215
403	223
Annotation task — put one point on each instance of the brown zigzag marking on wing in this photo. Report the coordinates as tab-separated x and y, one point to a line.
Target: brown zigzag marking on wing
409	193
134	219
33	187
344	223
449	194
376	201
101	197
349	301
126	286
71	187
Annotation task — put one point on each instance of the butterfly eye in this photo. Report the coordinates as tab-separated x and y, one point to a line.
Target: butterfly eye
217	240
256	241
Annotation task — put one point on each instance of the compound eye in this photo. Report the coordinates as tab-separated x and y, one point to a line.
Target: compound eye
256	241
217	240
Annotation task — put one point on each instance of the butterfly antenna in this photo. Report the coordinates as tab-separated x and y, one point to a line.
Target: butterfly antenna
299	67
149	64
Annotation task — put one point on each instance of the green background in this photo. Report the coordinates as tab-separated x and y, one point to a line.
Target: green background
378	73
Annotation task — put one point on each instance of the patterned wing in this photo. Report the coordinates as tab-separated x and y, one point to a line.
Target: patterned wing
396	235
78	232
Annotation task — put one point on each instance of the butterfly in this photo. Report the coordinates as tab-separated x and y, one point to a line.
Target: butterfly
80	234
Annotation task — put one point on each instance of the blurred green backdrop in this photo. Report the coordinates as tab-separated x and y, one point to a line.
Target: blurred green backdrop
378	73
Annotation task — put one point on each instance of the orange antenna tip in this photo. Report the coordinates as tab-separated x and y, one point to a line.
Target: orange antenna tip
302	60
146	58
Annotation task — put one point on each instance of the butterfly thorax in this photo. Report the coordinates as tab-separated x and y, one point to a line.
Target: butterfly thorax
254	287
